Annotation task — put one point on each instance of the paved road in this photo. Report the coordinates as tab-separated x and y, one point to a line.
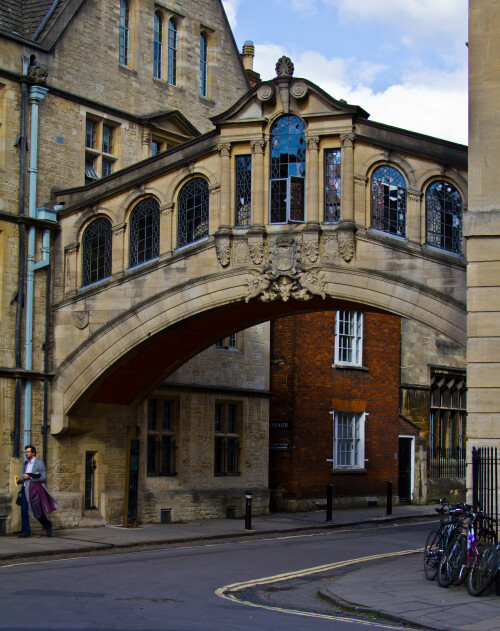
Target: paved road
175	589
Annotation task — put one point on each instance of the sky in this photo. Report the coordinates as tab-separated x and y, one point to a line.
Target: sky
403	61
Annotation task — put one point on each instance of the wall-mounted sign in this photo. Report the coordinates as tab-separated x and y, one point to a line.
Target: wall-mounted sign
280	446
280	425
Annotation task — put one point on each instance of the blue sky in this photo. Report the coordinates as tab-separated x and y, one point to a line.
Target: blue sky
404	61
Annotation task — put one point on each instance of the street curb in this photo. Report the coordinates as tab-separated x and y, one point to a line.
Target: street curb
233	535
352	607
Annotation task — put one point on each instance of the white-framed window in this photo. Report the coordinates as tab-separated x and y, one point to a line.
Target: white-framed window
101	140
348	440
349	338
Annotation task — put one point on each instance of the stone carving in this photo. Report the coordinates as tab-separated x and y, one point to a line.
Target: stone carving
268	285
284	67
347	139
299	89
224	148
256	248
81	319
310	245
284	254
38	72
265	92
312	143
223	248
258	146
338	246
240	252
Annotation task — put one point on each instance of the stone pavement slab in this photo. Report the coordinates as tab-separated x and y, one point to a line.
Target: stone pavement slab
398	590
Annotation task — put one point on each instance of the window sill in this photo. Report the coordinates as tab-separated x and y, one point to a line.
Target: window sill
345	471
127	69
206	100
350	367
387	235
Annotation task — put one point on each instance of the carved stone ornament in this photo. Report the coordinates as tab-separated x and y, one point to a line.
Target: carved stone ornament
223	248
240	252
346	244
268	286
81	319
284	254
310	246
265	92
338	246
284	67
256	248
299	89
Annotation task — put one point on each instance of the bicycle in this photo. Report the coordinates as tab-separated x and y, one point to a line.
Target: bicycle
437	540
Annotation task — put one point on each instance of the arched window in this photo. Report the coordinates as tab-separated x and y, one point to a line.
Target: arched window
144	232
96	263
172	52
124	33
157	46
193	212
443	207
203	64
288	170
389	201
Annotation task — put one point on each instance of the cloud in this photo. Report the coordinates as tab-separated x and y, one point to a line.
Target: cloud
231	8
428	101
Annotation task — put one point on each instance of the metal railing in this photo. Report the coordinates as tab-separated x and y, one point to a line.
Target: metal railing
485	480
446	463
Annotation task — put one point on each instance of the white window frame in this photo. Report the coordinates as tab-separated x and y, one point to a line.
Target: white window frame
350	342
356	439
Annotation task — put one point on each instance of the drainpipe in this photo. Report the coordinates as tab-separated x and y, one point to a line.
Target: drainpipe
22	142
37	94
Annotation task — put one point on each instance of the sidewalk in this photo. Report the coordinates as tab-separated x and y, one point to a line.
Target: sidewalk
81	540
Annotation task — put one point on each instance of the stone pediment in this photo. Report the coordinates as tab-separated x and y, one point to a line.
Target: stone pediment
173	122
286	93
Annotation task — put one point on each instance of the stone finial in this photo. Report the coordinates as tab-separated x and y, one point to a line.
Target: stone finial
284	67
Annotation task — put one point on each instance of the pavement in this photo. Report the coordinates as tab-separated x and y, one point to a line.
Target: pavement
394	588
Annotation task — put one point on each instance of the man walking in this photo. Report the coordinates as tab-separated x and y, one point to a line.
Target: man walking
35	499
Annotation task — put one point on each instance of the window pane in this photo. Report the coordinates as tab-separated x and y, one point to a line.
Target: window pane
443	205
203	64
96	252
90	134
193	212
107	167
157	45
172	52
332	185
107	139
243	190
124	33
389	201
144	232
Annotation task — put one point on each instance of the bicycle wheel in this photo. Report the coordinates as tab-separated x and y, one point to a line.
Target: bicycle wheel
484	569
451	562
432	554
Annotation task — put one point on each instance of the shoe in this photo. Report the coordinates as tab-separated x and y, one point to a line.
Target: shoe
21	535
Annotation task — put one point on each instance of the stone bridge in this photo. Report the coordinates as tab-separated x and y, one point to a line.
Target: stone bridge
119	334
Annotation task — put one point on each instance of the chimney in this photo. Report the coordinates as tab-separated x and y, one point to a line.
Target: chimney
247	58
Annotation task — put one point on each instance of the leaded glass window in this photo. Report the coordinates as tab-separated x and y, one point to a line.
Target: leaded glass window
144	232
124	33
161	448
243	190
226	439
157	45
332	185
203	64
172	52
443	205
96	264
389	201
288	170
193	212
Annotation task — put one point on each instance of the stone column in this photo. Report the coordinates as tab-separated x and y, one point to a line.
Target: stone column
225	185
347	203
166	228
415	221
118	257
71	268
258	187
313	213
146	142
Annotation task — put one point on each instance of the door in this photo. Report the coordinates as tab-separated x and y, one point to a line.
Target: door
404	470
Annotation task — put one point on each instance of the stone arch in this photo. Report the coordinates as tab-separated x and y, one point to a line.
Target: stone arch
128	343
391	158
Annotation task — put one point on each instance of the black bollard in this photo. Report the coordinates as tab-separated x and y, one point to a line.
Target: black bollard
389	498
248	510
329	502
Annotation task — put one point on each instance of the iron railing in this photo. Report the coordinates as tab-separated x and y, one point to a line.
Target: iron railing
485	480
446	463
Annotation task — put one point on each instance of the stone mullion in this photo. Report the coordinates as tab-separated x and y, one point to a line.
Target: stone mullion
347	177
118	263
258	187
414	222
71	268
166	228
312	210
225	186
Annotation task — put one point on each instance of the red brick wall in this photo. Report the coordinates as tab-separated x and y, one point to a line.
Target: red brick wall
304	382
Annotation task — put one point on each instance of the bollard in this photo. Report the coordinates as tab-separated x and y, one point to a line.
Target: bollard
248	510
389	498
329	501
